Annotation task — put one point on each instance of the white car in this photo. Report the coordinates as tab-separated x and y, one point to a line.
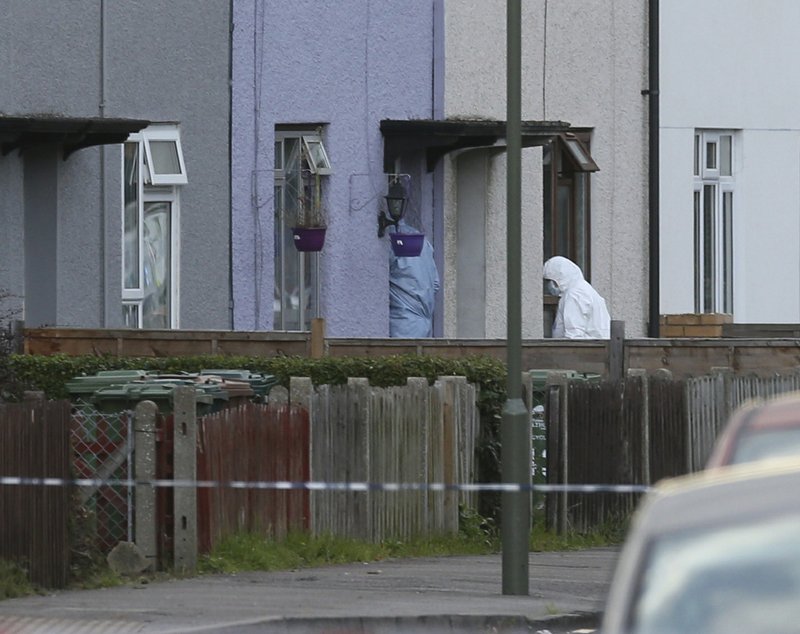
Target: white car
717	551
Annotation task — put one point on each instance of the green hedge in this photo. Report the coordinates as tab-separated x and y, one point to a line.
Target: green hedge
51	373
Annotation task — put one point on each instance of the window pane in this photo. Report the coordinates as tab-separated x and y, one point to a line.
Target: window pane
130	246
287	277
709	268
316	156
278	155
547	229
165	157
581	255
292	290
725	155
698	254
696	154
711	155
157	260
562	220
709	577
277	301
130	315
309	304
727	250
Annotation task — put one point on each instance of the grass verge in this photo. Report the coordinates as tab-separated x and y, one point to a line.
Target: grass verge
246	551
13	581
250	552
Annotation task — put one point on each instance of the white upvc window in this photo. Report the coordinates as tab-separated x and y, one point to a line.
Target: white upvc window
714	189
150	241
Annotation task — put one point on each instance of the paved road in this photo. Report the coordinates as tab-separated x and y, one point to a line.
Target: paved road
464	594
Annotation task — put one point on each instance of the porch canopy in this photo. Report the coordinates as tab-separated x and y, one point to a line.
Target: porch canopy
71	133
438	137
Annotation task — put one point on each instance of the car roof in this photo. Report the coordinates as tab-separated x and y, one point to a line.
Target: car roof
715	495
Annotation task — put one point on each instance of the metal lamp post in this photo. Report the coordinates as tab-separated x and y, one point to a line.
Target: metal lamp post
515	425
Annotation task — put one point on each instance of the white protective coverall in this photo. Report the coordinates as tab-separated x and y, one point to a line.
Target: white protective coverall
413	284
581	313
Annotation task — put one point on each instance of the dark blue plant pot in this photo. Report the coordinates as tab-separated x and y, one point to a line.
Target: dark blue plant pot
309	238
407	245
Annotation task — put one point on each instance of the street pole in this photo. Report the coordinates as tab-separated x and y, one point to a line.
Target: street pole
515	425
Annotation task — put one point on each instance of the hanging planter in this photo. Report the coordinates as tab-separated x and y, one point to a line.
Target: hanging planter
309	238
407	245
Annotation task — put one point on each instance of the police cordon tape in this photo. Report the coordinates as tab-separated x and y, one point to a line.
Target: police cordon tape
287	485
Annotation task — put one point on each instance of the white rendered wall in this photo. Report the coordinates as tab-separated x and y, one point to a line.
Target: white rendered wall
591	76
731	64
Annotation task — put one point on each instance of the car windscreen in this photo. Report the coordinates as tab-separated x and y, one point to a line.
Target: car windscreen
756	444
735	578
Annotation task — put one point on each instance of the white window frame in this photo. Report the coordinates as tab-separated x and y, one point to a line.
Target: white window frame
306	263
169	134
721	277
323	166
147	193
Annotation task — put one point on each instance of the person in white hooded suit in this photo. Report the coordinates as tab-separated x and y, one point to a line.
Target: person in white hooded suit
581	313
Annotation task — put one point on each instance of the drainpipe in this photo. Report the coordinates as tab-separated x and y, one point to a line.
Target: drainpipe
230	164
103	313
653	190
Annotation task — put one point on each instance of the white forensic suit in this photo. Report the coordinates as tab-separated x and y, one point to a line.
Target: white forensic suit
581	313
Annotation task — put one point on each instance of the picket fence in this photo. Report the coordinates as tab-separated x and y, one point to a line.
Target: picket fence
417	433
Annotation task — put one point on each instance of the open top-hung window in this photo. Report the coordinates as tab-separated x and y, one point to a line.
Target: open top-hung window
163	156
316	156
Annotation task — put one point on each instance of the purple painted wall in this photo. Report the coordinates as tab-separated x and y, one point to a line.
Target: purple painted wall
348	64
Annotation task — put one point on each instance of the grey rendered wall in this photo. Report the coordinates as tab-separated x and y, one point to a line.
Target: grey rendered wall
584	62
145	59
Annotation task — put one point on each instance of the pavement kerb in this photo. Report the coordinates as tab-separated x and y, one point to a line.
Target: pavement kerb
430	624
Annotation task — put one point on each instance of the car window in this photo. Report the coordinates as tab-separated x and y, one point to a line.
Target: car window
770	443
742	578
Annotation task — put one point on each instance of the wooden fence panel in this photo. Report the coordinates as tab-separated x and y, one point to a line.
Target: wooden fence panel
668	442
684	357
35	442
414	434
253	443
604	448
601	425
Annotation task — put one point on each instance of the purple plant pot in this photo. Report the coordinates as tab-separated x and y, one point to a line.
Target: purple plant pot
407	245
309	238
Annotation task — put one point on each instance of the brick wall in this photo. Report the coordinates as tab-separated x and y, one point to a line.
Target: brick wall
694	324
